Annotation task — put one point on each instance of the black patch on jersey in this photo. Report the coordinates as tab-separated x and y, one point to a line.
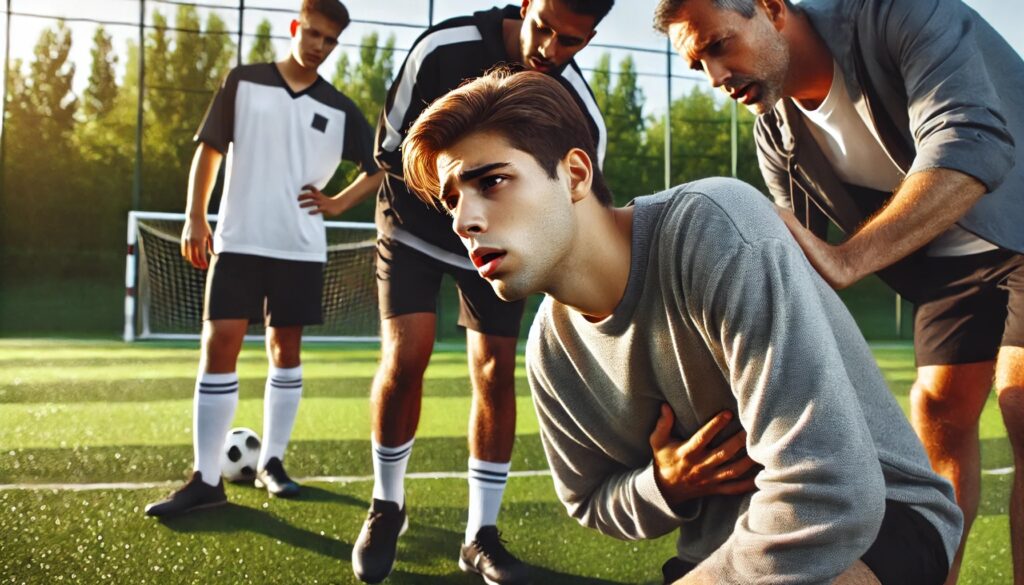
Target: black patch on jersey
320	122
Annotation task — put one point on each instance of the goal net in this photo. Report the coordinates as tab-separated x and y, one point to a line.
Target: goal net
164	293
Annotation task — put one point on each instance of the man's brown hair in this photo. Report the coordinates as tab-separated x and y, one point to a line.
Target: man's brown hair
530	110
333	10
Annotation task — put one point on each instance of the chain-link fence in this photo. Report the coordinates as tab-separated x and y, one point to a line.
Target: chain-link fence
103	98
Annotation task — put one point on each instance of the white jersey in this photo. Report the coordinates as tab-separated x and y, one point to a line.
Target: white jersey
277	141
858	158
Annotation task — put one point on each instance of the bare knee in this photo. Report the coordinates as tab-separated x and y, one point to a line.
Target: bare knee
1010	390
284	346
222	341
407	343
951	396
492	364
1011	405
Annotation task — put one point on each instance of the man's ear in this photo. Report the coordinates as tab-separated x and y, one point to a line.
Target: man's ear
523	9
580	170
776	12
294	27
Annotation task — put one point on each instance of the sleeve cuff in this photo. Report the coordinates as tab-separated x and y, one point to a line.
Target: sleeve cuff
648	489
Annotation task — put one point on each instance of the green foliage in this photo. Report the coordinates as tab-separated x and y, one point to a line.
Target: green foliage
700	129
626	169
45	181
102	90
366	83
182	74
262	50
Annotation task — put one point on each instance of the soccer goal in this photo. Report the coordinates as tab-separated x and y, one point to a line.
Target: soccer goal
164	293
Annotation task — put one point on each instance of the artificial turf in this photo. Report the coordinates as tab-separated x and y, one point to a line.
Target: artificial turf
75	412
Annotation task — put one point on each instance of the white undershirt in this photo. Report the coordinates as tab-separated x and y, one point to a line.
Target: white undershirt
858	158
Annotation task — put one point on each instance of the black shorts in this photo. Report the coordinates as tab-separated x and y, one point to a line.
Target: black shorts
408	281
907	551
975	306
278	293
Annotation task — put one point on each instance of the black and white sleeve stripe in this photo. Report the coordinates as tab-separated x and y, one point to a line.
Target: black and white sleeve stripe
575	79
402	108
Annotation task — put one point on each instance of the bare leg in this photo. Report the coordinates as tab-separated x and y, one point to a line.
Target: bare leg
1010	388
857	574
492	420
222	342
284	346
407	342
946	403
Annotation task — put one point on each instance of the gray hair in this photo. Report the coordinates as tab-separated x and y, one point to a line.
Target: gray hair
667	10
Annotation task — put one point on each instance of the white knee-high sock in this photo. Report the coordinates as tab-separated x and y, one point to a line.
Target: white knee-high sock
389	465
280	405
486	488
215	401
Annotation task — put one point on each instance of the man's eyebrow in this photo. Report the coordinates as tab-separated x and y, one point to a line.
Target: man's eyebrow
700	45
571	38
470	174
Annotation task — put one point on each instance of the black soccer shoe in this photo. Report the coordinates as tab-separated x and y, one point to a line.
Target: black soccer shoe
373	555
277	482
194	495
488	556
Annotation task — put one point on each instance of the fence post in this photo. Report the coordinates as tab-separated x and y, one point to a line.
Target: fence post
3	105
430	13
241	27
668	114
734	138
139	119
899	316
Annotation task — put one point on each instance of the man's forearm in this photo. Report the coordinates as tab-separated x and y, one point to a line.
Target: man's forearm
363	186
202	178
927	204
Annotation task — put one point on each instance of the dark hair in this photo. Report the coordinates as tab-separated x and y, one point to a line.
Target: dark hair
667	10
531	110
333	10
596	8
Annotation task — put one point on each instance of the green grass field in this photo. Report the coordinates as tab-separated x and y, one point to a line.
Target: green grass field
80	412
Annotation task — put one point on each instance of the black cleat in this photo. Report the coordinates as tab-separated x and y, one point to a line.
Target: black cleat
194	495
277	482
488	557
373	555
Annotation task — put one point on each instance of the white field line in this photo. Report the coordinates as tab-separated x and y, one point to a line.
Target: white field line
339	479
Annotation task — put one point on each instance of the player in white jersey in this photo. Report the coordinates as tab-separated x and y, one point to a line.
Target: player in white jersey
284	130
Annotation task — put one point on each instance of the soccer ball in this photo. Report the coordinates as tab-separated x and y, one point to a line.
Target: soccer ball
240	455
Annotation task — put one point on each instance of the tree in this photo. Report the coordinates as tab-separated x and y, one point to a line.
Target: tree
628	172
99	96
40	122
181	77
262	50
701	140
367	82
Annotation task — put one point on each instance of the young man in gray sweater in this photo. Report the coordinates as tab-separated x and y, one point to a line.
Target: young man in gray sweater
689	368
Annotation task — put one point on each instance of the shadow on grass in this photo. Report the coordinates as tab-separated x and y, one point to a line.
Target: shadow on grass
235	518
438	546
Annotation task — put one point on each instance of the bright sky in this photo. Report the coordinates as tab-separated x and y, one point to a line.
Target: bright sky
628	24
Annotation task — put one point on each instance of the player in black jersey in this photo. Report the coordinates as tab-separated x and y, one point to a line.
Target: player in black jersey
416	247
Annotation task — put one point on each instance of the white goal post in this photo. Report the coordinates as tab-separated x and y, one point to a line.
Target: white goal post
164	293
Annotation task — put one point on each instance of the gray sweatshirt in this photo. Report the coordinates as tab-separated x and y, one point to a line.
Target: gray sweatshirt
722	311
